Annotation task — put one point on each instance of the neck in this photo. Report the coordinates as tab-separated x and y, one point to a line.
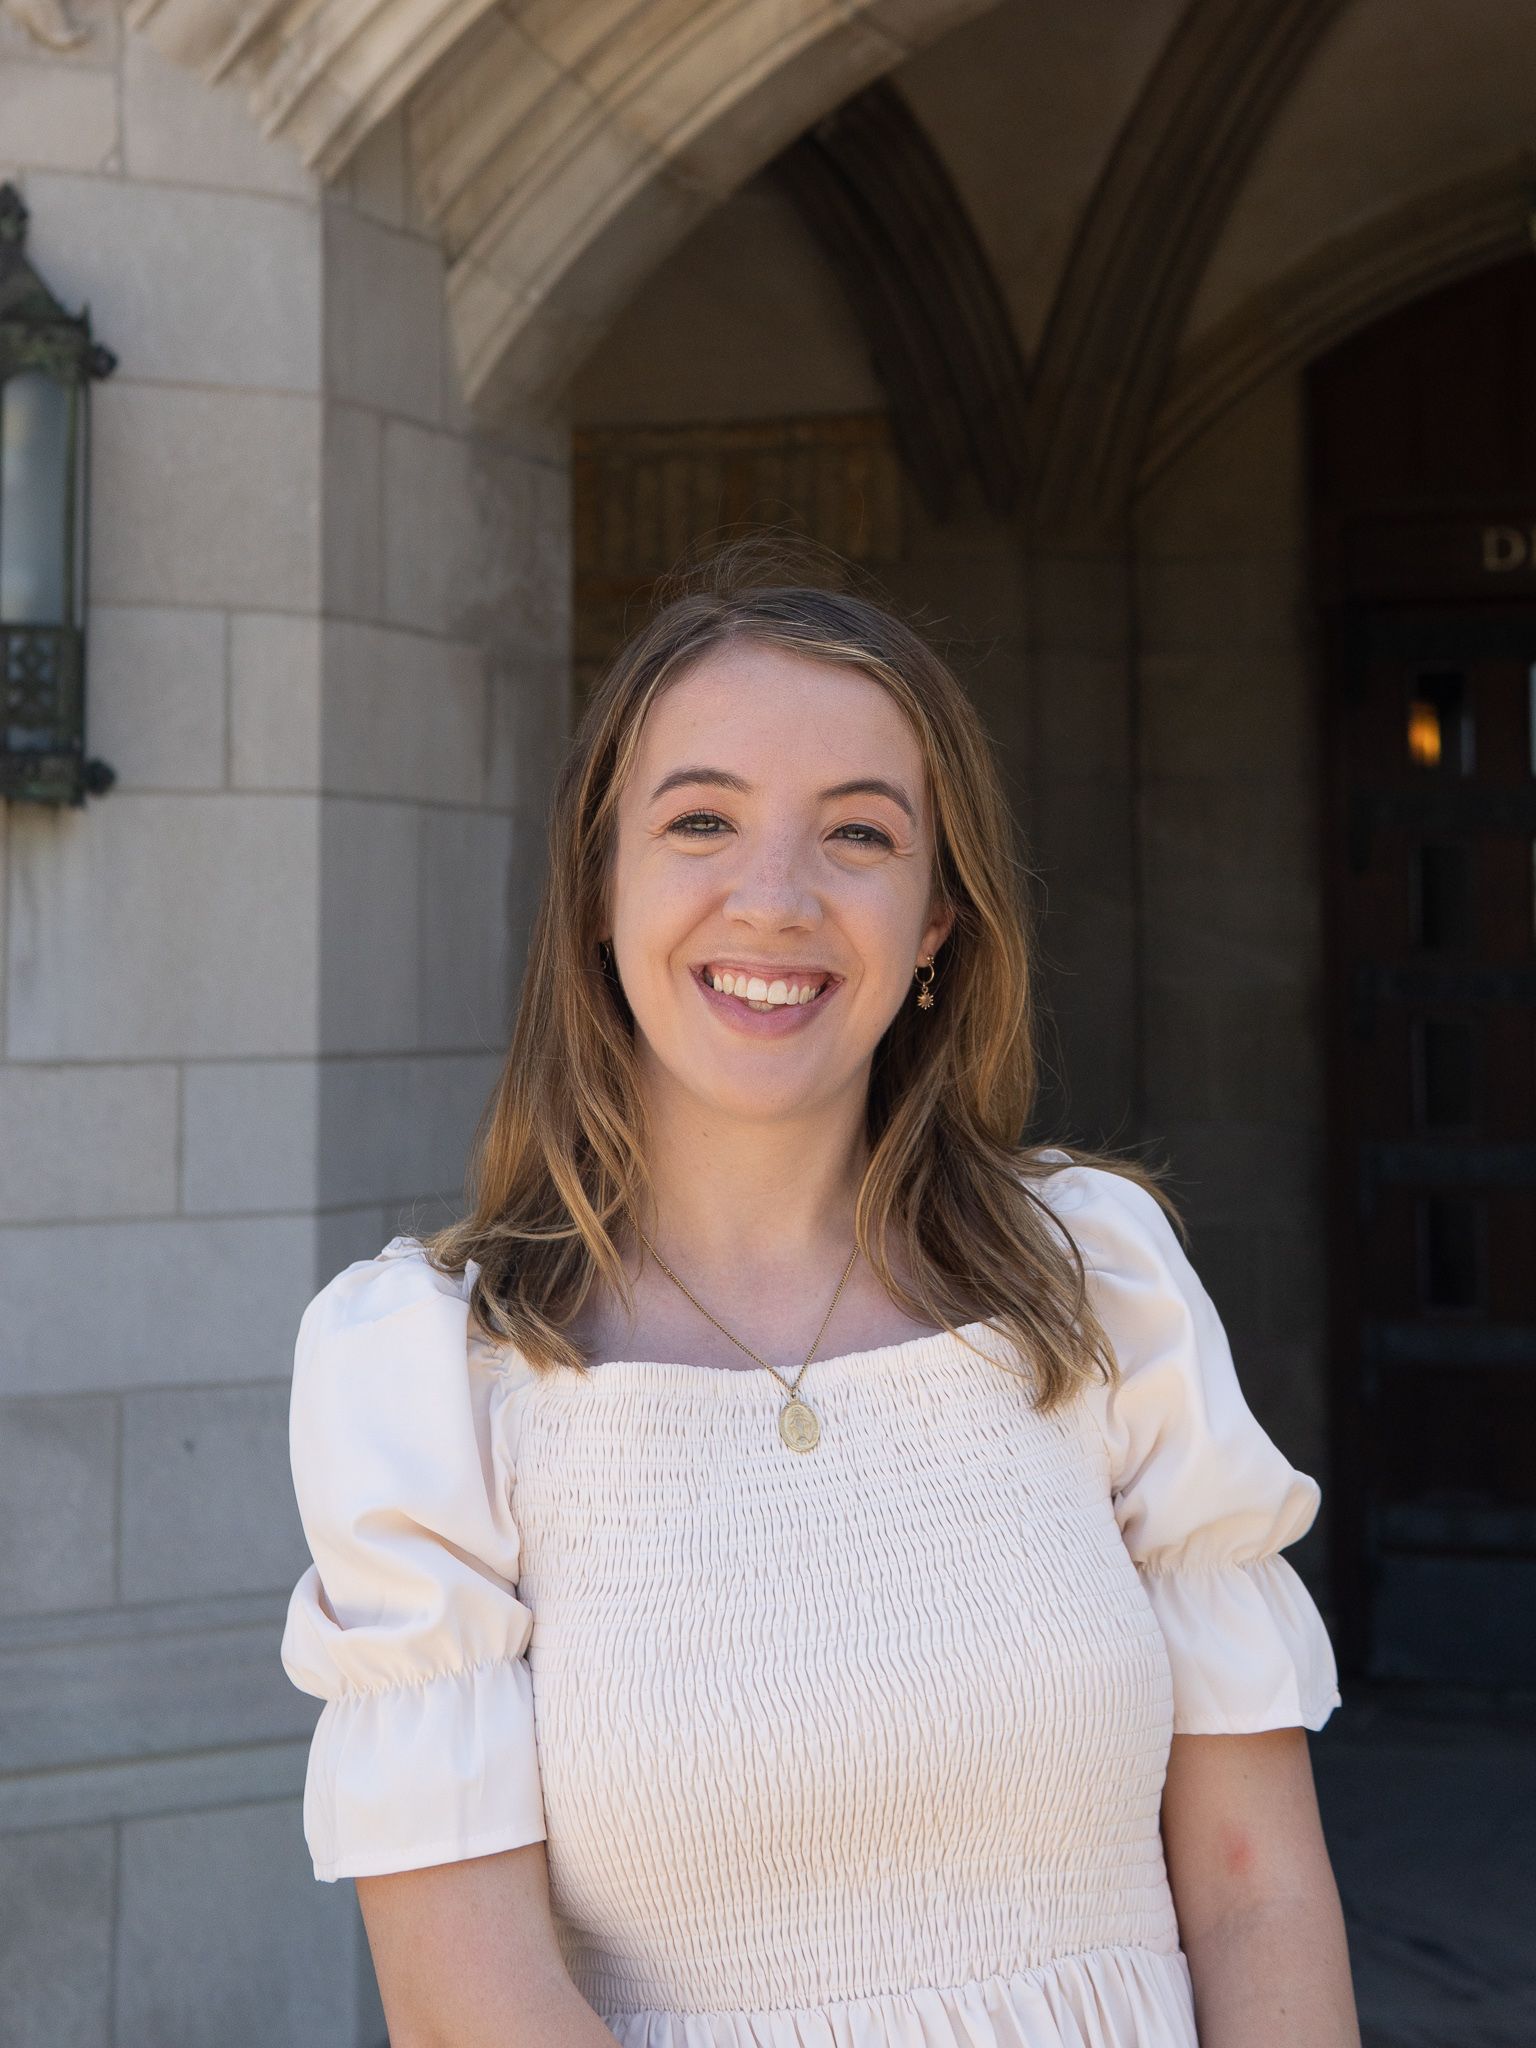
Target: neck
765	1202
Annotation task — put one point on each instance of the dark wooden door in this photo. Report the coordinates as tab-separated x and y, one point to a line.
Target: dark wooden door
1422	443
1433	988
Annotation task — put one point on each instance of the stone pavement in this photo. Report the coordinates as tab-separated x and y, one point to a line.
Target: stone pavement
1429	1804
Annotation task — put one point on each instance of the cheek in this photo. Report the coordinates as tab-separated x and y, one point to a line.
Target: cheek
661	916
880	922
657	896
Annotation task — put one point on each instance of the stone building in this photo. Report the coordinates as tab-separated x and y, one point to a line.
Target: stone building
1174	356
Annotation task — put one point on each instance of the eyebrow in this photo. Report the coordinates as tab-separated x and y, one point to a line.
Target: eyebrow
722	778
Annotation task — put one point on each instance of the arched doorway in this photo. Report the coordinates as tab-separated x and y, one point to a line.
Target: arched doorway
1423	450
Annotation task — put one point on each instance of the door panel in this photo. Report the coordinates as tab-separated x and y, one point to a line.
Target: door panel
1433	979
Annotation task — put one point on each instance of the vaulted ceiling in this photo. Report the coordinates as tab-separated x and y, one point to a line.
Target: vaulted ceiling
562	148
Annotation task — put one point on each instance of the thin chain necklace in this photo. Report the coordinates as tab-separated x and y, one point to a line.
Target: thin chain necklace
798	1425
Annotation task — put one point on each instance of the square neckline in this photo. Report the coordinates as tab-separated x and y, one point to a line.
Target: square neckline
932	1344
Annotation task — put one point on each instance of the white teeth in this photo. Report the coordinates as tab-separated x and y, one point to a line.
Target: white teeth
761	994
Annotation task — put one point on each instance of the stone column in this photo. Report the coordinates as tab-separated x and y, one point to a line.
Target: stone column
251	1002
1081	797
1234	897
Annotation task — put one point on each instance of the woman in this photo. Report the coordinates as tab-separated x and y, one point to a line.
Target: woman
779	1560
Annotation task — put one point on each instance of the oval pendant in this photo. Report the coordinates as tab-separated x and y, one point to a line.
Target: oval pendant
798	1426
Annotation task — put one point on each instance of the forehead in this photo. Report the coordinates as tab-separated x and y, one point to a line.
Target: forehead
781	714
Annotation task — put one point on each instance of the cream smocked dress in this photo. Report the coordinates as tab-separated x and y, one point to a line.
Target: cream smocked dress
862	1747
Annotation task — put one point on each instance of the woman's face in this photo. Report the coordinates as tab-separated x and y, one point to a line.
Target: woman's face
744	849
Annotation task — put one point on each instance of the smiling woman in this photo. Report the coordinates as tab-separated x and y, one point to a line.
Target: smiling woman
773	779
787	879
669	1702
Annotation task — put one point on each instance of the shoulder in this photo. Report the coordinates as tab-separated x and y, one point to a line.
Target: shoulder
396	1433
396	1314
1148	1299
393	1282
1104	1211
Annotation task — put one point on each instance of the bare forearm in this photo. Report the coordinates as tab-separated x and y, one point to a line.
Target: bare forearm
565	2020
1269	1976
547	2016
467	1956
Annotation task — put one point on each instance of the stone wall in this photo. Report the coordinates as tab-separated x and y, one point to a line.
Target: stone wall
1232	897
253	999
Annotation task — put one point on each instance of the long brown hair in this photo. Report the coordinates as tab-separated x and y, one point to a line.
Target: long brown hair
560	1152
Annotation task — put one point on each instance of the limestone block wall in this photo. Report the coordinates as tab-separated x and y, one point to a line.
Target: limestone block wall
251	1001
1232	894
444	653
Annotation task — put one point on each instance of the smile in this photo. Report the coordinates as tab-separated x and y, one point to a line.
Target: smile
761	990
761	1007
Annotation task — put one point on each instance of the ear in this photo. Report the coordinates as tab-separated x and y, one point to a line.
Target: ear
939	929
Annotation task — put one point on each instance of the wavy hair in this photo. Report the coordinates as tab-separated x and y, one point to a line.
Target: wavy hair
560	1151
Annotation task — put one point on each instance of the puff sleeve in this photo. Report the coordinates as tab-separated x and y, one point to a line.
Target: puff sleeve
1204	1499
407	1623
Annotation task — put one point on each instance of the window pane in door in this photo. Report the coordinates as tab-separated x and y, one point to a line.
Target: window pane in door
1442	898
1449	1239
1443	1054
1440	723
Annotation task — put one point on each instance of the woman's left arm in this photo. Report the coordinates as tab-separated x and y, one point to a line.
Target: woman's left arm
1258	1907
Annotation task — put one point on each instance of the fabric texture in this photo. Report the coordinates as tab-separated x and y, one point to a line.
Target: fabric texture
861	1748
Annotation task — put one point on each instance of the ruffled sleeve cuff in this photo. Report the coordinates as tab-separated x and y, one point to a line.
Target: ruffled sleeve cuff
433	1771
1247	1647
407	1624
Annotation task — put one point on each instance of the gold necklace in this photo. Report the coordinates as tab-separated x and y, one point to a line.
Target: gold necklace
798	1425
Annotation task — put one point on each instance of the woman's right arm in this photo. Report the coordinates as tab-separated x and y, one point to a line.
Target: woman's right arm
466	1957
423	1783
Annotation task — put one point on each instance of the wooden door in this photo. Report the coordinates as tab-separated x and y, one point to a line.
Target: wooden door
1431	733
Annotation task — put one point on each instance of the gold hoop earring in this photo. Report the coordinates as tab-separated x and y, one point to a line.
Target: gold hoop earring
925	991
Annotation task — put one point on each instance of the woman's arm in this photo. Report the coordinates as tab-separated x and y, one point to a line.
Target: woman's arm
466	1957
1259	1913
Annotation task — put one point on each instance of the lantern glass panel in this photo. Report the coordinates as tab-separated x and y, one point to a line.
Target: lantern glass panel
35	466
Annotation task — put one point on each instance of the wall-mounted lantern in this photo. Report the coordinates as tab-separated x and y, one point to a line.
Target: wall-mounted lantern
47	361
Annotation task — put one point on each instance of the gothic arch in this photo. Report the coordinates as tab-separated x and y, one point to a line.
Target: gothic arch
1406	252
877	196
553	213
1144	244
561	152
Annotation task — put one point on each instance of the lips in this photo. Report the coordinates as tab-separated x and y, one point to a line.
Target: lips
769	1020
790	979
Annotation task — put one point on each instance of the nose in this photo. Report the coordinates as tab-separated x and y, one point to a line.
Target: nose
771	890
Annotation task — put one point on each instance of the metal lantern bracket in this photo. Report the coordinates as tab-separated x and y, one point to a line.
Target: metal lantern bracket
48	360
